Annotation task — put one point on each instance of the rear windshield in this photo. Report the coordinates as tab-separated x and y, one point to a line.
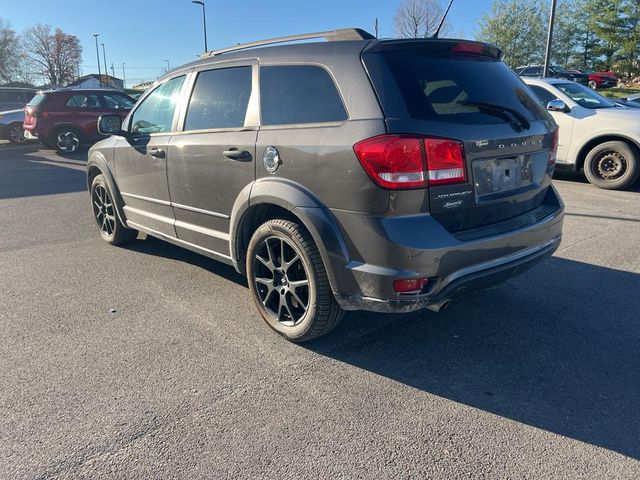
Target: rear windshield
37	99
459	88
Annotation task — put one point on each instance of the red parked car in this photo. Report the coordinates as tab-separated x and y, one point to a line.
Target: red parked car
65	119
600	79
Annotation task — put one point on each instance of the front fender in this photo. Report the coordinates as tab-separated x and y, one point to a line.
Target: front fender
316	218
97	160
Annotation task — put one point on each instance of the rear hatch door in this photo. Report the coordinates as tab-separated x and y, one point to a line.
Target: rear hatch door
462	91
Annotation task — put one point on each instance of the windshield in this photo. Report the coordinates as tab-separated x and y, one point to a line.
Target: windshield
459	88
583	96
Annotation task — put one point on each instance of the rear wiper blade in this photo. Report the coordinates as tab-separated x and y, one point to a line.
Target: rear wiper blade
521	119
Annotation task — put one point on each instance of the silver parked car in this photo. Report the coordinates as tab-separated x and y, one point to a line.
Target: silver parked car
11	126
597	135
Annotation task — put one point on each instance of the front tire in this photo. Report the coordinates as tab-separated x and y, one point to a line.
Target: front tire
612	165
289	283
16	133
109	225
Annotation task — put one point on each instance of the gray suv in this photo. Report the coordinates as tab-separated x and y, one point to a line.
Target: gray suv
346	174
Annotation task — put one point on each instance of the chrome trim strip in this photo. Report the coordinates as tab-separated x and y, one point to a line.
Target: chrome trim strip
199	210
501	261
147	199
202	230
154	216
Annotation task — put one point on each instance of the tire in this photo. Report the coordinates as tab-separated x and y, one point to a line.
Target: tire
271	282
15	133
593	84
66	140
612	165
109	225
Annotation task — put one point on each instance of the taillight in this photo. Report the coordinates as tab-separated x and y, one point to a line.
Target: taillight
397	162
553	151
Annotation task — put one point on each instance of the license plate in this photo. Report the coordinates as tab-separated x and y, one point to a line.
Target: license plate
498	175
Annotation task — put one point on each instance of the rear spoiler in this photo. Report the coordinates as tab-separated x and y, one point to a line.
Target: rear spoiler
440	46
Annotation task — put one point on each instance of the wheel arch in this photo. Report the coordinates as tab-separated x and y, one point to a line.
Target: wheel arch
96	165
271	198
584	150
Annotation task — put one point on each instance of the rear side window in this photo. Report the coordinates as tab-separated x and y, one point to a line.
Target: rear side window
294	94
461	89
155	113
219	99
83	101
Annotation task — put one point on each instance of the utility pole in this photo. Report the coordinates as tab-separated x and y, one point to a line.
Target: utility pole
95	35
375	27
547	56
168	67
113	72
204	22
124	78
106	69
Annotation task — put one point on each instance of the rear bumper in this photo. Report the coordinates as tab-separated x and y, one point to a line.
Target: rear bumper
473	278
418	246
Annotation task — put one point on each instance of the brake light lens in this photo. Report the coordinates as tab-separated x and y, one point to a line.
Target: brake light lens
398	162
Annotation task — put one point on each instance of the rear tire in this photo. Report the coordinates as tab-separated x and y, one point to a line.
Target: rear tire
111	229
66	140
593	84
289	283
612	165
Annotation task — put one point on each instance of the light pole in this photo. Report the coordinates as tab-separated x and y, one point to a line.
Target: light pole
168	67
106	70
95	35
124	78
204	22
547	56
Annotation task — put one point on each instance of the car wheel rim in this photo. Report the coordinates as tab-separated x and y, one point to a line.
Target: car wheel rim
103	210
610	166
68	142
16	135
593	85
281	281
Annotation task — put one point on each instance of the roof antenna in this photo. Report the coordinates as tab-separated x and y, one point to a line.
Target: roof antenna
435	35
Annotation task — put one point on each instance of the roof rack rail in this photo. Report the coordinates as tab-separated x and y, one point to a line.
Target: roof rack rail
331	35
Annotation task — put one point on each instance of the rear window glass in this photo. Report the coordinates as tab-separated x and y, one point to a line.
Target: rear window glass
459	89
294	94
36	100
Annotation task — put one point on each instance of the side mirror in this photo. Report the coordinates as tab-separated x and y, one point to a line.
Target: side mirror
557	106
110	124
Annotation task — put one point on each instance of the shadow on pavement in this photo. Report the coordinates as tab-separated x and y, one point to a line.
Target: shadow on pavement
28	170
557	348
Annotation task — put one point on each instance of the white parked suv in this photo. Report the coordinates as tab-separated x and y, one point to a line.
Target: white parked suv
596	135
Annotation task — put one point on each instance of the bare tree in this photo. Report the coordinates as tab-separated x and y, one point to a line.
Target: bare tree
8	52
55	55
419	18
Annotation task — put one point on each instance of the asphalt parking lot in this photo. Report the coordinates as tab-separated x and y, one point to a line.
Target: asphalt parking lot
536	378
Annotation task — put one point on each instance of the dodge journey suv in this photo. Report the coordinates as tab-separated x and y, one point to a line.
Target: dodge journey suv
346	174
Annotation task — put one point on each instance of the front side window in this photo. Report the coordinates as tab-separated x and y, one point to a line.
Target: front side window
294	94
583	96
83	101
155	113
117	101
219	99
543	94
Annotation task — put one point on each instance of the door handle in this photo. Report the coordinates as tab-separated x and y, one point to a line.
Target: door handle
235	154
158	153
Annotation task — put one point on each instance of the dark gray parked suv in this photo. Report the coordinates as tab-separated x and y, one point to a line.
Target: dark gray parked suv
382	175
